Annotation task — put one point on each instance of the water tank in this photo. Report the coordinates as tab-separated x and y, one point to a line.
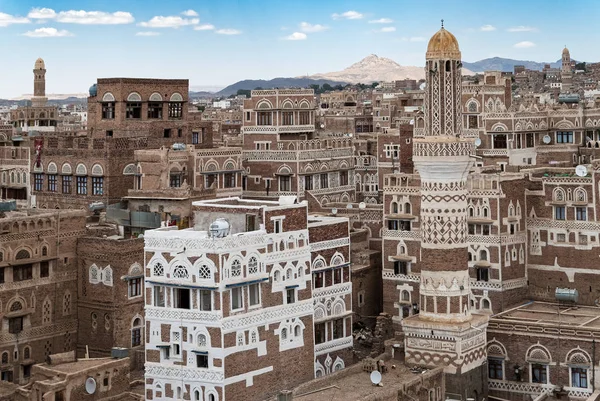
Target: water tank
119	352
219	228
179	146
93	90
566	295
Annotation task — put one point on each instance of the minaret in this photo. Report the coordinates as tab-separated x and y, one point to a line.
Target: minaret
39	98
445	332
566	72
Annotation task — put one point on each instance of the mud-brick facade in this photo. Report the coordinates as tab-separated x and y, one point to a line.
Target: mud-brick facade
38	288
111	300
225	315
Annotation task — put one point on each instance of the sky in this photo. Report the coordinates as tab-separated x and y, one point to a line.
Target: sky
219	42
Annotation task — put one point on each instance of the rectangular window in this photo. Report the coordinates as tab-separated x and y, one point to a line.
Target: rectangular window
486	229
21	273
320	333
290	295
581	213
287	118
194	138
15	325
26	371
108	111
66	184
539	373
392	224
166	353
181	298
210	180
247	116
277	226
205	300
175	110
308	182
472	122
337	276
400	267
319	280
237	301
7	376
483	274
284	183
529	140
159	296
38	182
564	137
304	118
324	180
109	133
175	180
264	118
44	269
155	110
52	180
559	212
135	287
338	328
133	110
495	368
136	337
579	377
201	361
176	350
97	185
179	133
561	238
343	177
1	275
166	133
254	291
229	180
500	141
82	185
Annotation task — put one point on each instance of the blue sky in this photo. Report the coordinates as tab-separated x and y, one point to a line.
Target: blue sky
218	42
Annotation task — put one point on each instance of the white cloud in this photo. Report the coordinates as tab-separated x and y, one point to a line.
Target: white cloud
347	15
94	17
417	39
47	33
381	21
386	29
7	19
147	33
42	13
169	22
521	28
524	45
228	31
190	13
296	36
204	27
310	28
487	28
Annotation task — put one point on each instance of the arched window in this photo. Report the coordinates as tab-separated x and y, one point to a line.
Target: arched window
23	254
485	303
559	195
394	207
180	272
158	269
297	331
197	395
284	334
4	357
201	341
67	303
407	208
252	265
472	107
46	311
405	296
26	353
44	251
483	255
204	271
485	212
277	276
136	332
236	268
94	274
107	276
288	274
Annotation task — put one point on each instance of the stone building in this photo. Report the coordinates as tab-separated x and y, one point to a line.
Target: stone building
228	309
38	287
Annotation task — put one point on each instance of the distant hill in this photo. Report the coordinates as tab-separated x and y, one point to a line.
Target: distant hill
249	84
507	64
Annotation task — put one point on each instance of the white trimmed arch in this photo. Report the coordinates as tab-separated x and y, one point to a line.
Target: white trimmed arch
176	97
108	97
134	97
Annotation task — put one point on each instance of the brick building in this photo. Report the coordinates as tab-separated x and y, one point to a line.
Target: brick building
266	285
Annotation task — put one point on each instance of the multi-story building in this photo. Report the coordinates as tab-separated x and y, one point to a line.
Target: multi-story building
38	287
231	302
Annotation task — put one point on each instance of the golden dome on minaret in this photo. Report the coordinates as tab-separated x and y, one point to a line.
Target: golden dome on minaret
39	64
565	52
443	45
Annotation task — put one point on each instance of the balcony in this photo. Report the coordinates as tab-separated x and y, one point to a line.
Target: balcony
277	129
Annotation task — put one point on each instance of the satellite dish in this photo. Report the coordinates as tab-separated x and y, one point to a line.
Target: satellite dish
375	377
322	125
478	142
362	205
546	139
90	385
349	206
581	170
412	122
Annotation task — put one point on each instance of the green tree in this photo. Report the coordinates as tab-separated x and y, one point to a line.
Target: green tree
326	88
580	66
245	92
374	85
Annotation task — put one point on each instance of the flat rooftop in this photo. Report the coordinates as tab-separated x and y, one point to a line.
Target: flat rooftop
553	314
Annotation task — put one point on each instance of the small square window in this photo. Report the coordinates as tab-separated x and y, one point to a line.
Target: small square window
202	361
291	295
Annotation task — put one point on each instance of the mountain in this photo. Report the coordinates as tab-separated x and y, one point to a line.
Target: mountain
249	84
376	69
506	64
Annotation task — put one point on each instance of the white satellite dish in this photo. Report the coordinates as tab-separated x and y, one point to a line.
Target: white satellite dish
546	139
478	142
581	170
362	205
375	377
349	206
412	122
322	125
90	385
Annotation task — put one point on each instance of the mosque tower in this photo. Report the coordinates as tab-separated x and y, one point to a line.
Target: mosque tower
566	72
39	98
445	332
